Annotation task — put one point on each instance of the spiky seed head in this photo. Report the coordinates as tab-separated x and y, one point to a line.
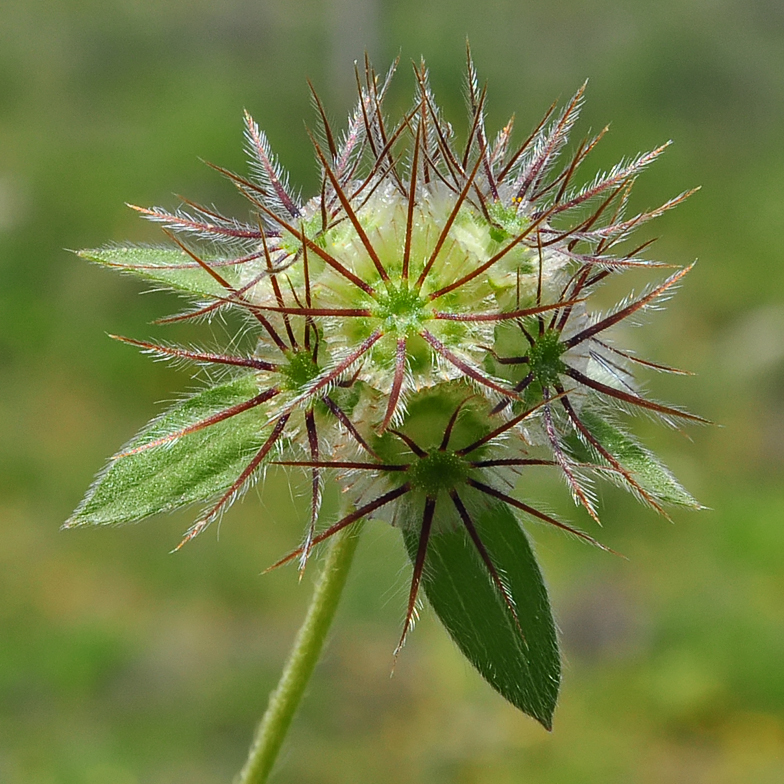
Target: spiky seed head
424	327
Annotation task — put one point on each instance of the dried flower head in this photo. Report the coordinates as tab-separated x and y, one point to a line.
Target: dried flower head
425	336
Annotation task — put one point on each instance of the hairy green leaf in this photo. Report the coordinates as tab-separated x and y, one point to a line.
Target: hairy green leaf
525	670
648	470
171	267
193	467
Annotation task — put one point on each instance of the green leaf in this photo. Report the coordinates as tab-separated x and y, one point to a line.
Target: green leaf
648	470
526	672
171	267
194	467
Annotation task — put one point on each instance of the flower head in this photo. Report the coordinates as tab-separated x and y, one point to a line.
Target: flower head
424	335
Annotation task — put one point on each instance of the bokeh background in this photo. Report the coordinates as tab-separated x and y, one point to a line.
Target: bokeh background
123	664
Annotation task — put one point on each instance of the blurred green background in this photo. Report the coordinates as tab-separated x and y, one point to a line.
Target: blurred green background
123	664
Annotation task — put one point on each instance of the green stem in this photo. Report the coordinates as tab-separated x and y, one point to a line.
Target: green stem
302	660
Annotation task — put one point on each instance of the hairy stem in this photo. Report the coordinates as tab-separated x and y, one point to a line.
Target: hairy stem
302	660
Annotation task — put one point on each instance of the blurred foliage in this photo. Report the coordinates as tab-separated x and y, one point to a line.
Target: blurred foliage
122	663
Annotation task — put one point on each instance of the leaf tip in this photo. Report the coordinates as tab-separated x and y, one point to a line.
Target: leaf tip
74	521
546	721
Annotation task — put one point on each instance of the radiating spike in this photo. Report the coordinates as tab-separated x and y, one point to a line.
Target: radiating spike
367	509
419	565
237	485
273	178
